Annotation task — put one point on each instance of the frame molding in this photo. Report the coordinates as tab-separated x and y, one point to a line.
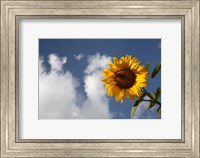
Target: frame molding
13	10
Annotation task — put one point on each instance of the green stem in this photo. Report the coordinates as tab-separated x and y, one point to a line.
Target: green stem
148	100
150	96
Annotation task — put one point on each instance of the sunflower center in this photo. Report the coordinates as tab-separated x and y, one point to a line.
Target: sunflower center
125	78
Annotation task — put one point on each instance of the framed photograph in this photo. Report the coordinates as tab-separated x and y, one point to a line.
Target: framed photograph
80	92
100	78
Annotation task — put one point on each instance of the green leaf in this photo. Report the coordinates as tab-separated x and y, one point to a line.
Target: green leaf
148	64
156	95
135	105
153	94
156	70
151	104
159	110
133	110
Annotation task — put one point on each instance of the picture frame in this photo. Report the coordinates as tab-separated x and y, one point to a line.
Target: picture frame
12	11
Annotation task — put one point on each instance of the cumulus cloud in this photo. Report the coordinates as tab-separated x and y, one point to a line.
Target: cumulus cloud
97	62
78	57
59	93
56	62
56	97
96	104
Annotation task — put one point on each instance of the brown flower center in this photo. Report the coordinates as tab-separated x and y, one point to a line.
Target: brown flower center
125	78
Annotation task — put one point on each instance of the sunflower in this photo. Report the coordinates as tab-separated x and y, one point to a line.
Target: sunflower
125	77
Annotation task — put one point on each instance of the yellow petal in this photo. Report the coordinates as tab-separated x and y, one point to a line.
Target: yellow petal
108	80
115	60
141	68
110	87
110	90
141	79
122	95
127	59
136	90
117	98
143	72
108	72
145	76
109	84
122	59
142	84
123	63
135	65
113	66
129	94
133	60
116	90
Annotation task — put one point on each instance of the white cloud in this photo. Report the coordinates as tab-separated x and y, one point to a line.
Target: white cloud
54	90
56	62
97	62
97	102
78	57
59	97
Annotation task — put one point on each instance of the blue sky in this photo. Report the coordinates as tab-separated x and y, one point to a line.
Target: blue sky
75	58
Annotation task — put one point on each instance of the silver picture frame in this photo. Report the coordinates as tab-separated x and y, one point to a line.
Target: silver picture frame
13	11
